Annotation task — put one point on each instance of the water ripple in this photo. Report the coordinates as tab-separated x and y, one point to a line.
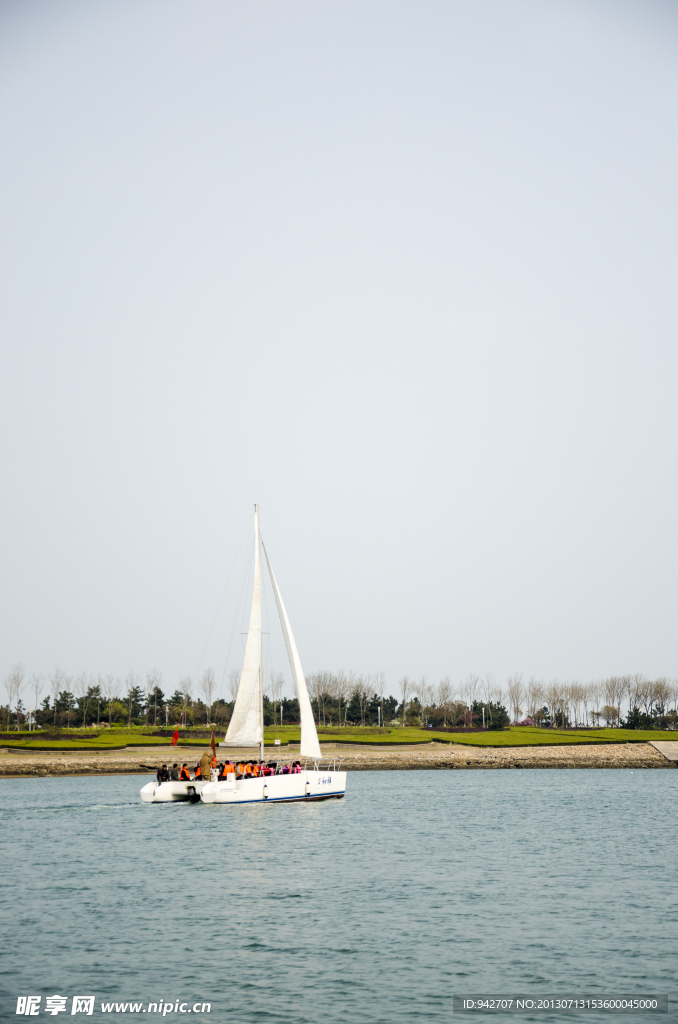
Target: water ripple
371	910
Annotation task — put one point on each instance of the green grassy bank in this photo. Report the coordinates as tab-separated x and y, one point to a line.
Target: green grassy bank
107	739
518	736
515	736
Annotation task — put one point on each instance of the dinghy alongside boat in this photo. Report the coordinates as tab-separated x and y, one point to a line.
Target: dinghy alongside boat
168	792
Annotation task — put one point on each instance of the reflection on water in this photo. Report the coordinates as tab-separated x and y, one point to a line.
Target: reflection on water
376	908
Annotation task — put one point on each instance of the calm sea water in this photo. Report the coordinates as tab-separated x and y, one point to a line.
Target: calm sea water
373	909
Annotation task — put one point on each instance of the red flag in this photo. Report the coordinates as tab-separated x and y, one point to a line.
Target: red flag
213	745
175	738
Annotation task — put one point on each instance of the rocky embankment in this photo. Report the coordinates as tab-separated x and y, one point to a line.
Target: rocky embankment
131	762
618	755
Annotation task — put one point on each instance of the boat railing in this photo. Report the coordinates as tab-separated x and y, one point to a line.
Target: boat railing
328	764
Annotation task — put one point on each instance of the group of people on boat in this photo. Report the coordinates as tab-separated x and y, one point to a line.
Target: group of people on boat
202	772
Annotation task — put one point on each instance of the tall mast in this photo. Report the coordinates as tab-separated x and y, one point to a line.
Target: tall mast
257	549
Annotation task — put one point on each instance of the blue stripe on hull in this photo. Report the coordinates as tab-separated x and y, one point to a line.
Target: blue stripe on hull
282	799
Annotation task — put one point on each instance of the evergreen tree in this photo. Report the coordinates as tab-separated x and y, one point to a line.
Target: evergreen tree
496	715
155	702
65	703
94	699
135	703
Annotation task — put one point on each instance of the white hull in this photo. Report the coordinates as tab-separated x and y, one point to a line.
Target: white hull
168	792
307	785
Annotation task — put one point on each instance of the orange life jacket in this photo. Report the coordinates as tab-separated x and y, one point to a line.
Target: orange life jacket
183	774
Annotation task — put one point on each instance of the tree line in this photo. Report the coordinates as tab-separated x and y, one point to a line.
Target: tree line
339	700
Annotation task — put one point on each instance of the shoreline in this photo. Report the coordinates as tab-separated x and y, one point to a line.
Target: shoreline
33	764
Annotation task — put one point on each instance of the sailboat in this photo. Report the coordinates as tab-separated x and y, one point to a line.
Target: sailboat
246	728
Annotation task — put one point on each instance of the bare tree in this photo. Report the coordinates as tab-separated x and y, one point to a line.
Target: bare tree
625	682
341	686
100	685
662	695
207	686
80	688
534	692
576	695
516	692
36	688
595	694
131	683
610	714
444	696
489	688
153	680
426	694
380	690
233	683
277	683
68	698
405	688
564	704
553	699
111	692
614	690
313	687
586	700
637	690
185	688
621	691
14	684
57	682
321	685
363	694
469	691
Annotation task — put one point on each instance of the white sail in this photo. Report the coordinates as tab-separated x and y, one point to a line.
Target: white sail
246	728
309	737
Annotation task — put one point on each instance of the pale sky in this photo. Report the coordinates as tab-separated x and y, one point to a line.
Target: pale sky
403	273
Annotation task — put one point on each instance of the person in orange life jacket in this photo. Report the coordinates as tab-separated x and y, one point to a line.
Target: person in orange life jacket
184	774
196	771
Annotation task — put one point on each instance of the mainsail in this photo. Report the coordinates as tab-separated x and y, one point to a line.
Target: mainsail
246	728
309	737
